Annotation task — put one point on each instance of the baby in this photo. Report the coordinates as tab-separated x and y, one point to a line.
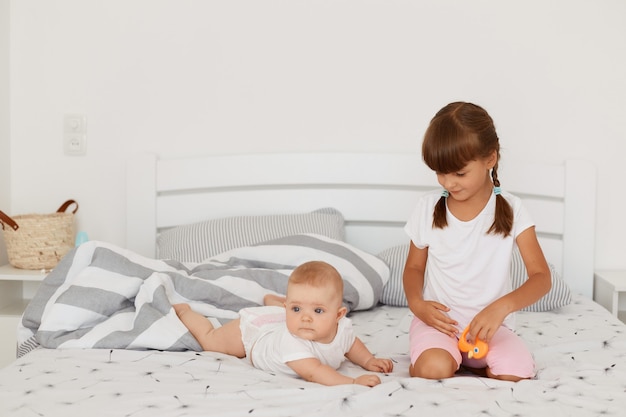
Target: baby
307	336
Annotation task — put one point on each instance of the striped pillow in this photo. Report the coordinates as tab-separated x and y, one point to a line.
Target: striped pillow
199	241
558	296
393	293
364	274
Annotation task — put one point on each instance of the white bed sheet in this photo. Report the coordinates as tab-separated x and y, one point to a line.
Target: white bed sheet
580	353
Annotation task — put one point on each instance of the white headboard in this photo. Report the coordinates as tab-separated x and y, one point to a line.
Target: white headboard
374	192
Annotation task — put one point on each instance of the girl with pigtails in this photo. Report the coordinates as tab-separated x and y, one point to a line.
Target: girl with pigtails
456	275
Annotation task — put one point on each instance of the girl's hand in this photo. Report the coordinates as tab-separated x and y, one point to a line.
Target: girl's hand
487	322
433	314
379	365
367	380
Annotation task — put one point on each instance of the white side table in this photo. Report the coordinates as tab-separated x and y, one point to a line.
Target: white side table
17	287
609	290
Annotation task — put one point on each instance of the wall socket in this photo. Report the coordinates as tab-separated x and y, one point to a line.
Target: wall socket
75	134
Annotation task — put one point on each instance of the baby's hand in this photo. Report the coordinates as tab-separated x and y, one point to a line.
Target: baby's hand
379	365
367	380
274	300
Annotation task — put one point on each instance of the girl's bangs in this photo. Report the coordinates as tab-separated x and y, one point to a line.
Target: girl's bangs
449	152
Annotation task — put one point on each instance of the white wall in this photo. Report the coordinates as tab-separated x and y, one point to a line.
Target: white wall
5	154
198	77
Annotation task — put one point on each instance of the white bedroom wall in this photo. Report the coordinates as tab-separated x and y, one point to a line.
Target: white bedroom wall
191	77
5	154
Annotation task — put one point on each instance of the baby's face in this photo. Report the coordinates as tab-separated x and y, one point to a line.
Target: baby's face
313	312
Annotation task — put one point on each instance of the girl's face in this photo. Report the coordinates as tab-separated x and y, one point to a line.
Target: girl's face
469	181
313	312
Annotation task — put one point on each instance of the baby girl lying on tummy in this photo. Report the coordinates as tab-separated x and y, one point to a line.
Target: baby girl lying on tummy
304	334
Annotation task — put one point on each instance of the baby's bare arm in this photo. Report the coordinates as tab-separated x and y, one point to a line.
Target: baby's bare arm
311	369
360	355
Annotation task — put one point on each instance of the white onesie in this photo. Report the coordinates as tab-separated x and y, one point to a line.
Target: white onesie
269	345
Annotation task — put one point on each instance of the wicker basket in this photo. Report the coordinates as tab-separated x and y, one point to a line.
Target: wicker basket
39	241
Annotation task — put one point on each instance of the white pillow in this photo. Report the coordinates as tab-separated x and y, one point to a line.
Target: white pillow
393	293
198	241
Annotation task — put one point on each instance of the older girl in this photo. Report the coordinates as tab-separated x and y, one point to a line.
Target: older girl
457	270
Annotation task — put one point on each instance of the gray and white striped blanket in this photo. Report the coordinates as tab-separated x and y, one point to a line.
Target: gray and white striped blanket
103	296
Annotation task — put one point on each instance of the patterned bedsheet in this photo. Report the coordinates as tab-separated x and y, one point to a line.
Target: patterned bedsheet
580	352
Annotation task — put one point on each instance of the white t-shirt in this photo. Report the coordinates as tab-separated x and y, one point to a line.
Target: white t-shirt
269	345
467	268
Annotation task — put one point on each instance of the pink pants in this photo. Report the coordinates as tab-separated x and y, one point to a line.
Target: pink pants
507	355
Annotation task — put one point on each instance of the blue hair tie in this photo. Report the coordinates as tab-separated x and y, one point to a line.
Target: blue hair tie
497	190
445	193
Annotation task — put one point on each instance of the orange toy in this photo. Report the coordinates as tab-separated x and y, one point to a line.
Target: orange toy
476	350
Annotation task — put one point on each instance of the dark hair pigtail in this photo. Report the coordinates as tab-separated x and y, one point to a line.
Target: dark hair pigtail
440	219
503	219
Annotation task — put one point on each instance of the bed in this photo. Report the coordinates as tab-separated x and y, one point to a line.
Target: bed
348	208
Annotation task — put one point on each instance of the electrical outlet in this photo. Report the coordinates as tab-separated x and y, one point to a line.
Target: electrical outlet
75	144
75	134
